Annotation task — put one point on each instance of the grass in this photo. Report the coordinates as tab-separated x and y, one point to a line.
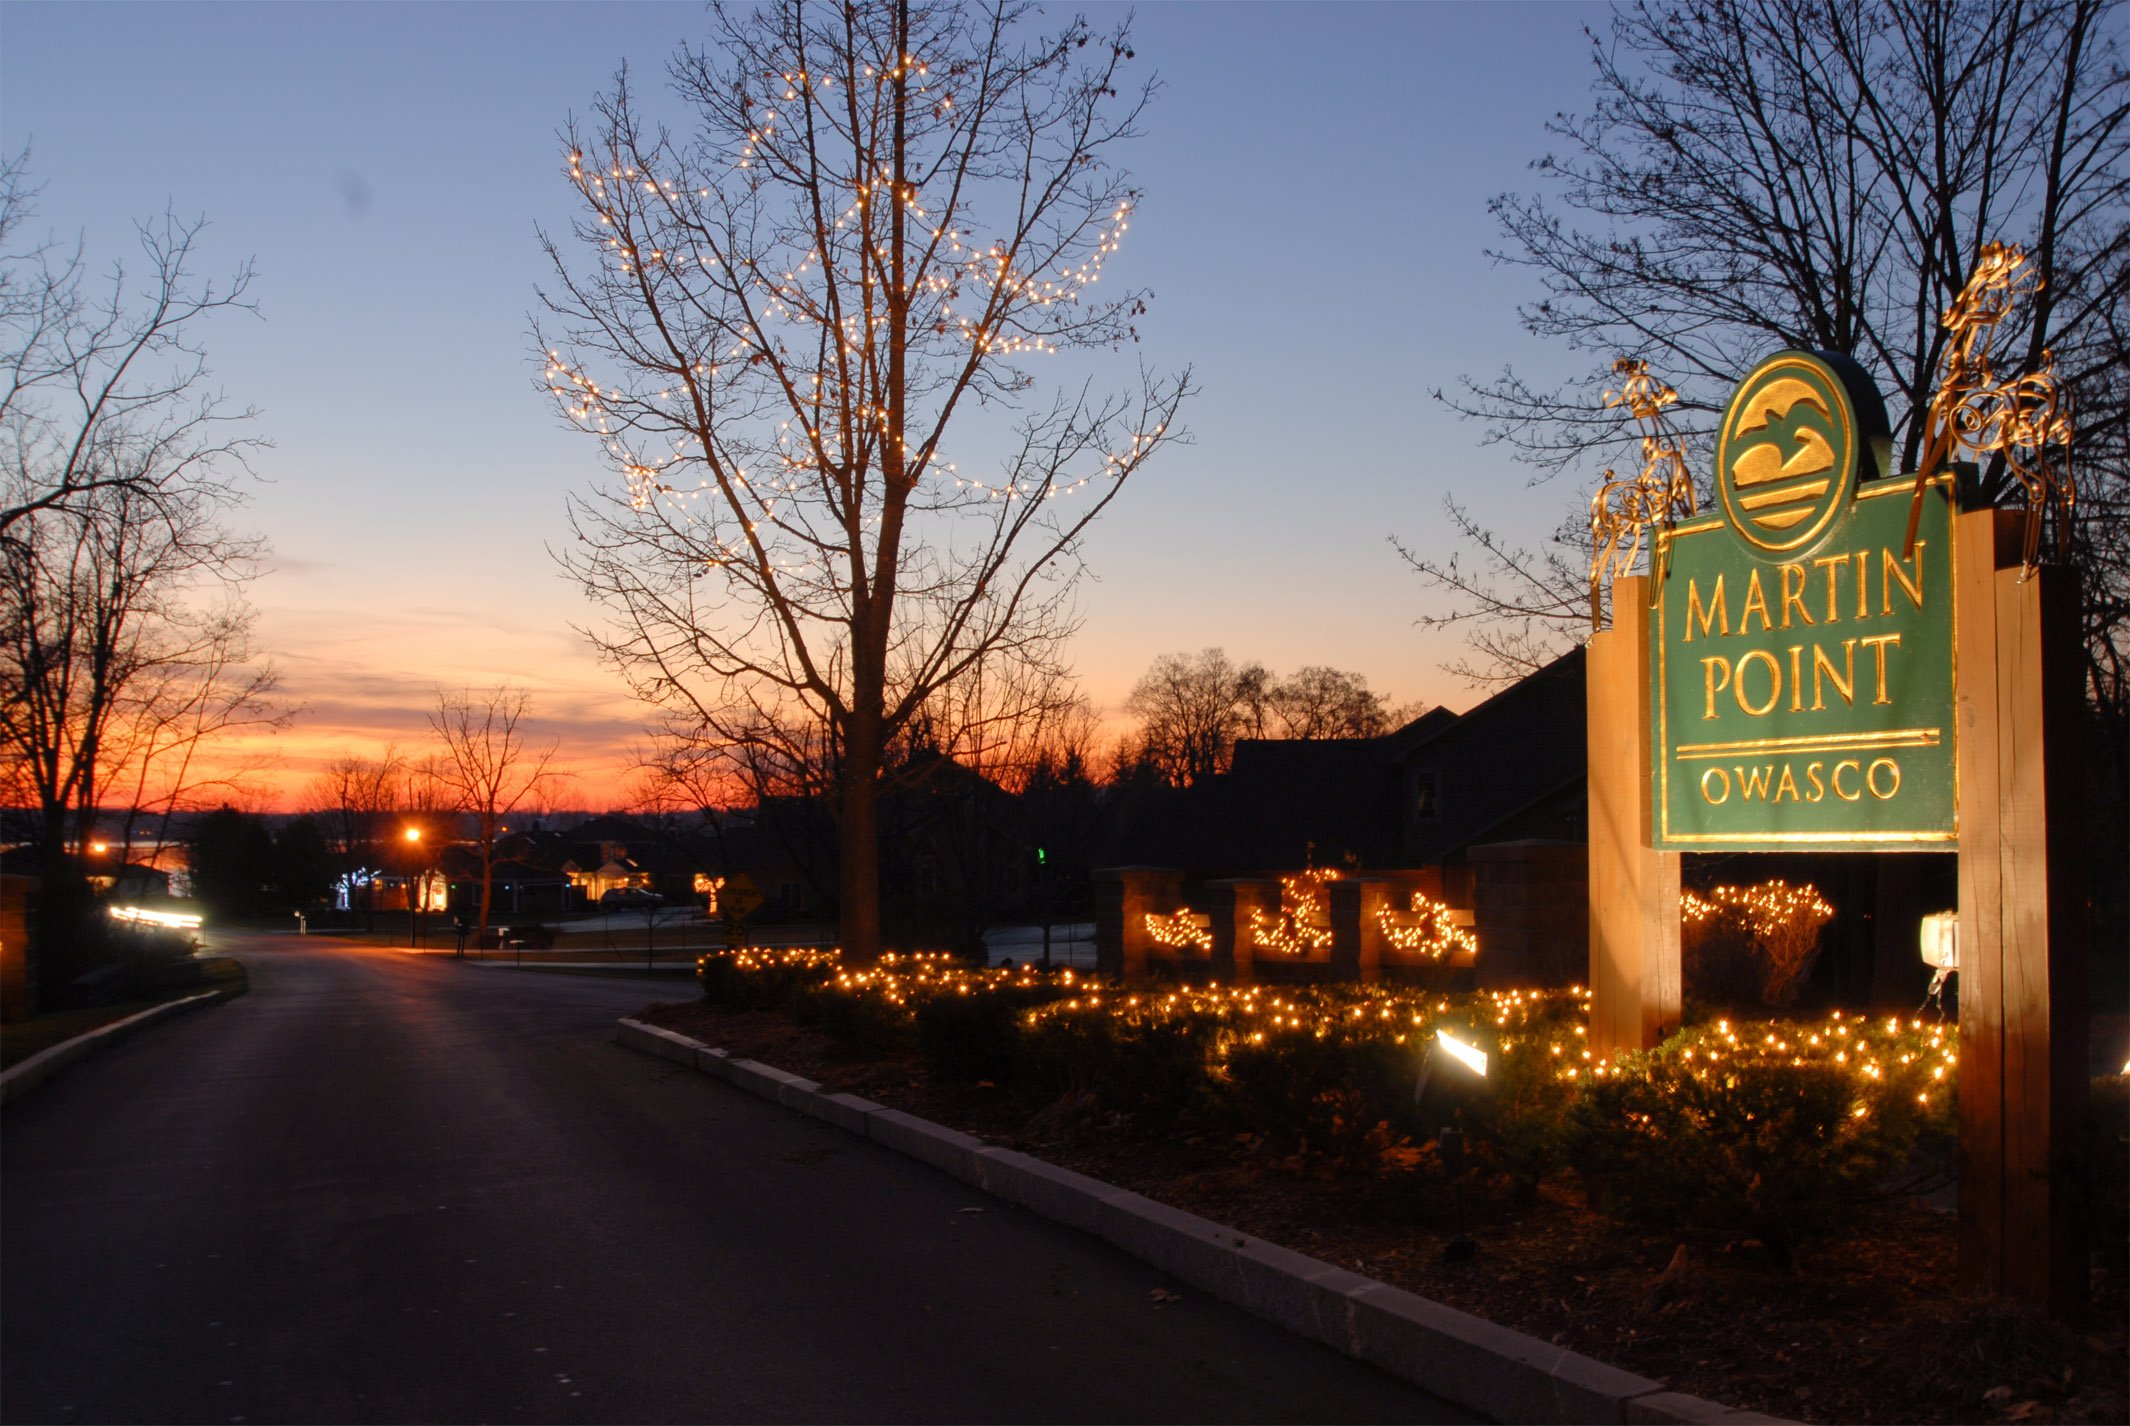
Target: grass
30	1037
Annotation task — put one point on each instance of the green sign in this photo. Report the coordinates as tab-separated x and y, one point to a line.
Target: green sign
1801	659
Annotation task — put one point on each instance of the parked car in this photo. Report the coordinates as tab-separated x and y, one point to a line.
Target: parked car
622	896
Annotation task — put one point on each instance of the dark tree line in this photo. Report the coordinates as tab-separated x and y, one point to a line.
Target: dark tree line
242	868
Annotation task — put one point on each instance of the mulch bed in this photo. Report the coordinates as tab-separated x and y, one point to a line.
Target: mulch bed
1868	1329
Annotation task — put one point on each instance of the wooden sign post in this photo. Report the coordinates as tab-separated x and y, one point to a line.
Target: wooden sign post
2023	931
1634	890
1838	660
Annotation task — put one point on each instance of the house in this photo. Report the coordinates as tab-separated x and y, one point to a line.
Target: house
1510	769
1489	807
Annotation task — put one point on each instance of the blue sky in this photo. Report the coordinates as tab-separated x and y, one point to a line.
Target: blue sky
1313	231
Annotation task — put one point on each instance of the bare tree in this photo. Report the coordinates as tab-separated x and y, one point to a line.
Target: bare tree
120	622
103	384
1756	174
1322	702
961	768
220	683
883	213
104	646
353	795
490	766
1192	708
116	645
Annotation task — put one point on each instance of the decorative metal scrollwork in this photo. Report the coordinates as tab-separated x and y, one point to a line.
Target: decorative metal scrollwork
1624	507
2026	418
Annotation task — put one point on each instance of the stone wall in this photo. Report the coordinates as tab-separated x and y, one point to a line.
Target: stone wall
1359	949
1531	912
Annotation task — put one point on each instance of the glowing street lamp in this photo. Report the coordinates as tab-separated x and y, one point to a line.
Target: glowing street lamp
413	837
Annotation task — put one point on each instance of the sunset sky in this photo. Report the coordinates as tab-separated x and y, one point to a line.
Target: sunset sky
1314	234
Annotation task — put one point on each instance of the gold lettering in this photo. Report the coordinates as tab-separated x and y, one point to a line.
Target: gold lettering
1863	584
1793	594
1787	785
1756	598
1871	774
1891	573
1814	781
1754	781
1708	676
1774	682
1797	682
1715	615
1844	683
1879	643
1723	780
1833	564
1846	765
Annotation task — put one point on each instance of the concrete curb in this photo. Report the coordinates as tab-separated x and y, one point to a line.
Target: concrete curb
22	1078
1504	1374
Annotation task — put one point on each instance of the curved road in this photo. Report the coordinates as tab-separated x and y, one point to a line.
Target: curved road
383	1187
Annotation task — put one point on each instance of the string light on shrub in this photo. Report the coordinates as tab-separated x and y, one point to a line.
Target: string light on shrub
1886	1064
1424	929
1179	929
1303	923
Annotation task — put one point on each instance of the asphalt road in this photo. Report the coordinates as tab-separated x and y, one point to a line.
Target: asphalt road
388	1188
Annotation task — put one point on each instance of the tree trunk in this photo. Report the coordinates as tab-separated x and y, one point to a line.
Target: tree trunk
873	609
488	875
859	834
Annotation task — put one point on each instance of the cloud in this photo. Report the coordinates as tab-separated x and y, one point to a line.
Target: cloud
368	679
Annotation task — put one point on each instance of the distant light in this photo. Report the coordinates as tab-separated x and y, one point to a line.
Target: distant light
1472	1059
414	834
141	915
99	847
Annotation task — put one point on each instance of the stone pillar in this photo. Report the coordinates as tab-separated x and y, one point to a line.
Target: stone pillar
1531	913
1124	897
1230	904
1634	891
1358	945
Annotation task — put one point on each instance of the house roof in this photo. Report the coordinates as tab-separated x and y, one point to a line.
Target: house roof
1512	762
1523	746
609	828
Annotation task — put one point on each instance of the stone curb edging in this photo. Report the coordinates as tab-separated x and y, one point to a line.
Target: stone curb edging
22	1078
1504	1374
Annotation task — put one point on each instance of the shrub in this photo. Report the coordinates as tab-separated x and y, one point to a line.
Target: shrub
1747	944
761	979
1308	1092
1752	1138
1519	1125
975	1035
860	1022
1134	1063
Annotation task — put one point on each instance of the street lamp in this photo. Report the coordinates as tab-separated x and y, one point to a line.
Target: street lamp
413	837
